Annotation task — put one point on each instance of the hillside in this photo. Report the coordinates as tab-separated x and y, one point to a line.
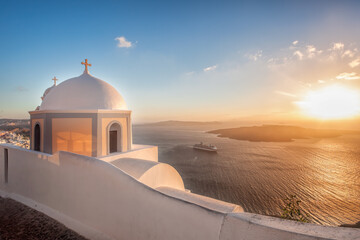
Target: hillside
278	133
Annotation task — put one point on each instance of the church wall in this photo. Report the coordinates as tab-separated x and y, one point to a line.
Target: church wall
48	117
127	127
100	121
73	135
105	124
100	201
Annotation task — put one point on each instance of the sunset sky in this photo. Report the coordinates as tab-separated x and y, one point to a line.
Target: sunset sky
188	60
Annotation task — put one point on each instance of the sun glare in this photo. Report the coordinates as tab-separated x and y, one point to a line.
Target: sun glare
332	102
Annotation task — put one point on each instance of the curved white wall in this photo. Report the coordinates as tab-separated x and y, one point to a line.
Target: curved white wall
150	173
96	195
145	152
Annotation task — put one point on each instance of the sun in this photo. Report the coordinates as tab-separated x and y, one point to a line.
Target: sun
332	102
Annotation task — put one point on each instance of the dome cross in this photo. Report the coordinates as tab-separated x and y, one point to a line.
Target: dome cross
86	65
55	79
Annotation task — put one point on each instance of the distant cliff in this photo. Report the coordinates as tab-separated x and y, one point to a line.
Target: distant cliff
278	133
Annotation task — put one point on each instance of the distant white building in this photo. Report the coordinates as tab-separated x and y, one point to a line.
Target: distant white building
84	171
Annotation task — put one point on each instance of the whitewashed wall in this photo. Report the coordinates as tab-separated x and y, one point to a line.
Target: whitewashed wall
145	152
98	200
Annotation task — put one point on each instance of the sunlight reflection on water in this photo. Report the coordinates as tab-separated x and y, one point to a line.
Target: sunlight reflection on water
323	173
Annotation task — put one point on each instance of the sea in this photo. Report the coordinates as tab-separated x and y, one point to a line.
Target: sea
324	174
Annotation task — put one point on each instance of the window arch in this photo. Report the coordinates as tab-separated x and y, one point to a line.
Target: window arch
37	137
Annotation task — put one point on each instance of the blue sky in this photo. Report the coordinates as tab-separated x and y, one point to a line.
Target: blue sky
188	60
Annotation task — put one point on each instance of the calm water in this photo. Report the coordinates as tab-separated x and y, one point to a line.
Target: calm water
323	173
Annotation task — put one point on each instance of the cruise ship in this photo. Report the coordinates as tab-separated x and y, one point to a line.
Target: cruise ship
204	147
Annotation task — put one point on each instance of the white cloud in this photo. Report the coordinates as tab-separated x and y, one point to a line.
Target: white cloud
295	42
321	81
256	56
299	54
311	50
338	46
286	94
271	60
355	63
123	43
348	76
348	53
211	68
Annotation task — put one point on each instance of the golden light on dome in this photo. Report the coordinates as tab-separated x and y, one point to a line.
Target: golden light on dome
332	102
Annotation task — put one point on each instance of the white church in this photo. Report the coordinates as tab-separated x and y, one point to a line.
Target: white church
83	170
83	115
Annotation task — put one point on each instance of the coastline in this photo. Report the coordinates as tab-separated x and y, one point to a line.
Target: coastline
278	133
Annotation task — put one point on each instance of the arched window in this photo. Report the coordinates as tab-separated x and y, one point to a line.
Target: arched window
115	144
37	137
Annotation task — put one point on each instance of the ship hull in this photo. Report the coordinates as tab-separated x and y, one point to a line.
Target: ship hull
205	149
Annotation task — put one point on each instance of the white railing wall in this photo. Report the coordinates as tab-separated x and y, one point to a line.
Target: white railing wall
100	201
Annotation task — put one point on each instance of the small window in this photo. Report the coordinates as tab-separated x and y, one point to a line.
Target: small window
114	141
37	136
6	164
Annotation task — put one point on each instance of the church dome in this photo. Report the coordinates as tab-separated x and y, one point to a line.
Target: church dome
83	93
47	91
